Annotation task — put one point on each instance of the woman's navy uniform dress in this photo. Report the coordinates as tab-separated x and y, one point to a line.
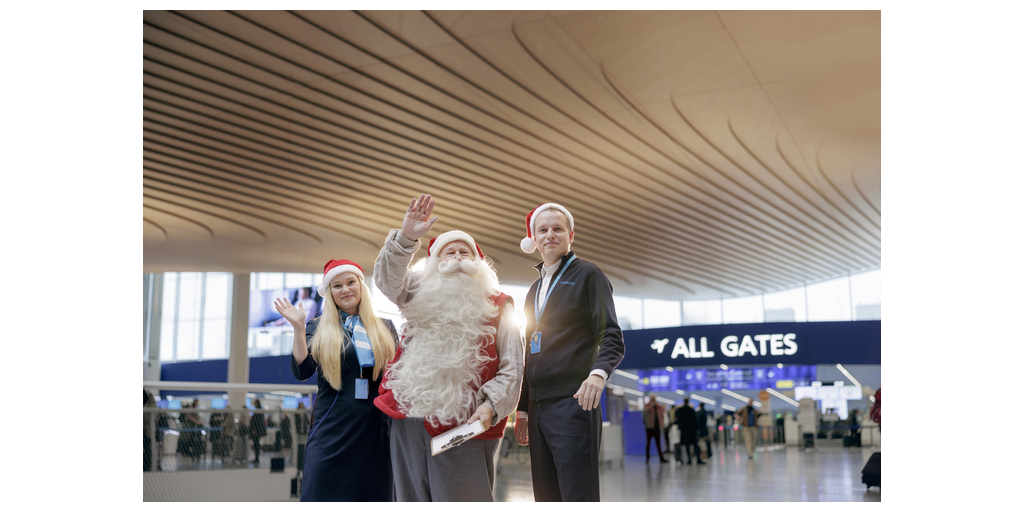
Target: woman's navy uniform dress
348	453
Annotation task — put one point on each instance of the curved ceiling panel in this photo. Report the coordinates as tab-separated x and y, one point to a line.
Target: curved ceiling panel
703	154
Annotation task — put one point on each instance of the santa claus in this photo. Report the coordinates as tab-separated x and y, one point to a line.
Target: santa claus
460	360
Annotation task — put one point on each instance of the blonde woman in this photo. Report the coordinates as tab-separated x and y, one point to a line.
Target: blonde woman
348	455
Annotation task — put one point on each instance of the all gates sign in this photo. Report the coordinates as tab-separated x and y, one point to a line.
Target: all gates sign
857	342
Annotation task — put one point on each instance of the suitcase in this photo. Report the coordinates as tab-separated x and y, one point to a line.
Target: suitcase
678	449
847	441
239	449
871	475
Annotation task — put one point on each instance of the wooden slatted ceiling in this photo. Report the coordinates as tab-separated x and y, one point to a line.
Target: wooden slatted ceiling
703	154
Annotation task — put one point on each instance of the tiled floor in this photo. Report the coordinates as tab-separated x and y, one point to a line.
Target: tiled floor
828	473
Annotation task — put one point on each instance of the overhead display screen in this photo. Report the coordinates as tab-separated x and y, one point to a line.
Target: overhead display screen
700	379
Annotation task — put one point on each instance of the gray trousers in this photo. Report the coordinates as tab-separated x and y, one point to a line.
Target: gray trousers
463	473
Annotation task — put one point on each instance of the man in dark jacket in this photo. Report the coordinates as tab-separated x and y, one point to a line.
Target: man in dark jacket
702	429
574	344
686	420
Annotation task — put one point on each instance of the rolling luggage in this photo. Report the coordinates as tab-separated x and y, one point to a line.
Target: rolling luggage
678	449
239	449
847	441
871	475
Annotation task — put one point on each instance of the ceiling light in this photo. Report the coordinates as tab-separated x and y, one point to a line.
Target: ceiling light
740	397
724	367
854	381
702	399
728	407
779	365
669	368
628	375
872	398
665	401
783	397
632	392
681	392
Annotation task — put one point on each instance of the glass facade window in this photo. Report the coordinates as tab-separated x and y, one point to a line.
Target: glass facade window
702	312
196	309
743	310
854	297
866	290
216	308
829	301
630	312
785	306
661	313
297	280
195	316
170	310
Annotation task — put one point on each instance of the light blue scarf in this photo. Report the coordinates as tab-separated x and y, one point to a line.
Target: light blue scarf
364	351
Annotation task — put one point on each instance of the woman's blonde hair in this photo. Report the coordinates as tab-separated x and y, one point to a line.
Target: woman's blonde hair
329	341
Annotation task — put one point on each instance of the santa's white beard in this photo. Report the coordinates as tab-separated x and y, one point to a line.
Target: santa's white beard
442	358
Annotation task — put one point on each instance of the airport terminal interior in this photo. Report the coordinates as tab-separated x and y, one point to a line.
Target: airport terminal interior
723	169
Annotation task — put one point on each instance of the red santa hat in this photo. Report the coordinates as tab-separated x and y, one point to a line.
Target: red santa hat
528	244
335	267
444	238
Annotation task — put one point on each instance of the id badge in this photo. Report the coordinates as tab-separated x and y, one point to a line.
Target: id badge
535	343
362	389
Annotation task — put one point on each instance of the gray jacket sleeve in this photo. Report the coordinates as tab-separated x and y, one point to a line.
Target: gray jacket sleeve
501	393
391	270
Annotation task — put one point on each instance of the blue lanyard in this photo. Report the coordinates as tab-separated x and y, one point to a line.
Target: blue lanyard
537	307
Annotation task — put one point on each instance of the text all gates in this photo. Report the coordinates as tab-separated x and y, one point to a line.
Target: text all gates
732	346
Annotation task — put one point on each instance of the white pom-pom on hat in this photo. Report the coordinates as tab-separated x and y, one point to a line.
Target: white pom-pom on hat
528	244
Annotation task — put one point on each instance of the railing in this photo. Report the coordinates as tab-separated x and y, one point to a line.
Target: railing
231	454
859	436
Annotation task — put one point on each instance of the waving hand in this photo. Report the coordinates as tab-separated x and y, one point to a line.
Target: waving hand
417	219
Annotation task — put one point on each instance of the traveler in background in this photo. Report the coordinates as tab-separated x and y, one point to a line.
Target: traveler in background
301	421
855	427
191	442
147	443
686	419
348	456
702	428
217	435
653	417
257	429
747	417
667	420
574	344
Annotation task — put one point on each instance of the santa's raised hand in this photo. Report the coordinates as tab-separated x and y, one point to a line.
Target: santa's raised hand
417	221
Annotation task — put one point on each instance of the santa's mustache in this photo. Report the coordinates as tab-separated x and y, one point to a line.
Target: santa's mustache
449	266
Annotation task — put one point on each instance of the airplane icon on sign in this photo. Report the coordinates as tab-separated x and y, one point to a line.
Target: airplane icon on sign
659	345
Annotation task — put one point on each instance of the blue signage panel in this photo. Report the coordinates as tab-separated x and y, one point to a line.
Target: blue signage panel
701	379
796	343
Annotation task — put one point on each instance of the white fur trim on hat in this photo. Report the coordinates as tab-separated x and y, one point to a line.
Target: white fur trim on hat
340	269
528	244
445	238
